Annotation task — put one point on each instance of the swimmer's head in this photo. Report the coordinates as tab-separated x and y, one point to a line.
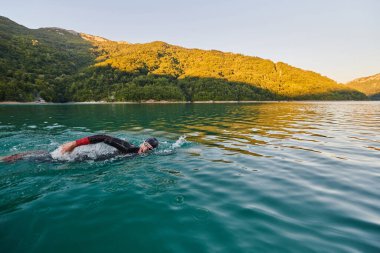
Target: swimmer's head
152	141
148	144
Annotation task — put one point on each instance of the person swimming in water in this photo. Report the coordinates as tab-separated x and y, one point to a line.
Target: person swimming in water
122	147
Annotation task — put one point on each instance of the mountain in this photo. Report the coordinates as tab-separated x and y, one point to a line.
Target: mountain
60	65
368	85
33	61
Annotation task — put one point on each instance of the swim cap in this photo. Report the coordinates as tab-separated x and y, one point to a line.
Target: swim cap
152	141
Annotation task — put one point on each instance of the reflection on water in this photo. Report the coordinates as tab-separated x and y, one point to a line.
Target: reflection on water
261	177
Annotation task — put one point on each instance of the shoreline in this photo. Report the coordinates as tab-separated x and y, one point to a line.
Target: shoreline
181	102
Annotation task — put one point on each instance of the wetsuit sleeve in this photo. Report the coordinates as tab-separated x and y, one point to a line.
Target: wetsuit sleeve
83	141
119	144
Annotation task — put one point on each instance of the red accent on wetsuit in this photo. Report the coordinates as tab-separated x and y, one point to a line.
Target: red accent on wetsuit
83	141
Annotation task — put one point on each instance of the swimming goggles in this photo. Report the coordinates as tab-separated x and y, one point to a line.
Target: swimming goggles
146	144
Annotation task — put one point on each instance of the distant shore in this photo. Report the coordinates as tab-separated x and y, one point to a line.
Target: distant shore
142	102
180	102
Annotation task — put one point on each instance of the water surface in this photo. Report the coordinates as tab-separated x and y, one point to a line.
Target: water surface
265	177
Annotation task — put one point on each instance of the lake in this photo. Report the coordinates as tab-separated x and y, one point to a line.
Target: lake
255	177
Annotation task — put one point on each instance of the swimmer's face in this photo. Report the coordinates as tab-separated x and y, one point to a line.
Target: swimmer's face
145	147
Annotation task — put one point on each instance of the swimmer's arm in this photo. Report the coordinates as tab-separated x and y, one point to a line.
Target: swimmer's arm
20	156
70	146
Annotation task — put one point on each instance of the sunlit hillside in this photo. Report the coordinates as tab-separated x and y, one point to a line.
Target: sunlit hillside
160	58
368	85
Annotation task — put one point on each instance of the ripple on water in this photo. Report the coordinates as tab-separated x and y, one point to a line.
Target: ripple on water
273	177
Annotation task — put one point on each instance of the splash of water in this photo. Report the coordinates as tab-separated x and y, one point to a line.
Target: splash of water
168	149
180	142
91	152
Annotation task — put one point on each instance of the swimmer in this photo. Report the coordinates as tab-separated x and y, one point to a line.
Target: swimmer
122	147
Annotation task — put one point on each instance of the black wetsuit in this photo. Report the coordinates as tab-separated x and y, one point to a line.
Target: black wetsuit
122	146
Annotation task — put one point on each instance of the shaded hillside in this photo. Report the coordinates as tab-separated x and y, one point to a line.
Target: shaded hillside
368	85
36	62
60	65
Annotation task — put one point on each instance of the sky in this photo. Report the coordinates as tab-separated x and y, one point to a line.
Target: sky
336	38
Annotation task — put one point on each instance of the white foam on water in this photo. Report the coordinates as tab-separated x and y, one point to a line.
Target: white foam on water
166	148
180	142
90	151
55	125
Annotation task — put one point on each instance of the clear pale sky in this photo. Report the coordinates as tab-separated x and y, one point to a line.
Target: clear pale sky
336	38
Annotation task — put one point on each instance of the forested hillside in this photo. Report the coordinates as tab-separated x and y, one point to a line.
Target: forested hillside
37	62
60	65
368	85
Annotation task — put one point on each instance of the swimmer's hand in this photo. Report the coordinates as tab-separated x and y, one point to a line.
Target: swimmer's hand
68	147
